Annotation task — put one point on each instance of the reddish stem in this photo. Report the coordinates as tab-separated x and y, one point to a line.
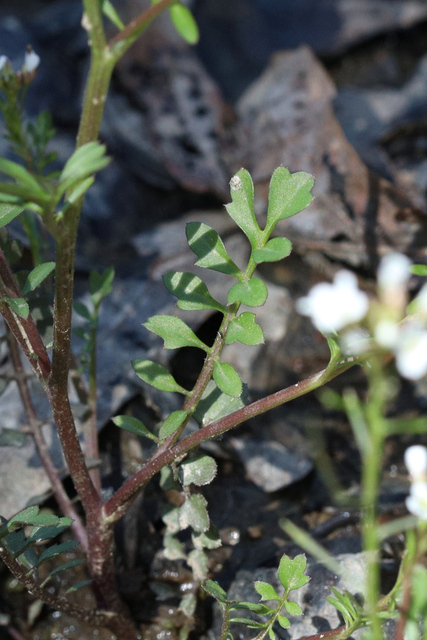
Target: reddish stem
116	507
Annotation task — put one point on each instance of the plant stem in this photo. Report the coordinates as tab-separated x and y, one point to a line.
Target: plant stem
35	427
125	38
371	474
93	617
116	507
24	329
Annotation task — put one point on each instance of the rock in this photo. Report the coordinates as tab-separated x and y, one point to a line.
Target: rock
286	117
238	38
270	465
318	614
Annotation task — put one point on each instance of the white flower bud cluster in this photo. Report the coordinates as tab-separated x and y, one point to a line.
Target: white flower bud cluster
31	62
342	307
416	463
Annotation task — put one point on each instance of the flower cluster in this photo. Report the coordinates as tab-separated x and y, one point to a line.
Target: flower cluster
416	463
26	74
380	323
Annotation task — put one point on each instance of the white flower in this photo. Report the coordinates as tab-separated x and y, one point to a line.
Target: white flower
32	61
3	60
416	502
416	461
411	352
394	272
334	306
386	333
355	341
420	302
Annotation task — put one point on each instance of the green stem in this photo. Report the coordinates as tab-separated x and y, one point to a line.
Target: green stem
371	475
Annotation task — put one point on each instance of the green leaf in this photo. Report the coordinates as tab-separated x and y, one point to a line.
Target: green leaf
109	11
245	330
210	249
193	513
289	194
293	608
283	621
241	210
255	607
37	275
78	191
252	293
44	532
191	291
82	310
173	548
63	567
291	572
266	590
9	211
157	376
18	306
21	175
12	438
184	23
227	379
100	284
419	269
79	585
134	426
198	561
175	332
170	517
215	590
56	549
276	249
199	470
250	623
84	162
215	404
334	349
208	540
271	634
172	423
